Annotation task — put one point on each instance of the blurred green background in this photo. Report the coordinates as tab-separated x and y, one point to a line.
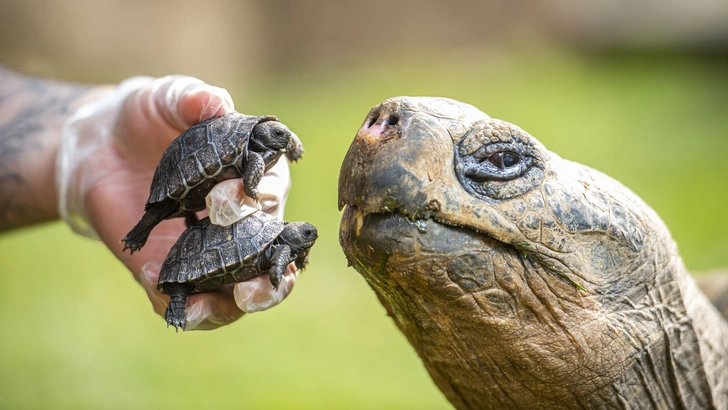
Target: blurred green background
648	106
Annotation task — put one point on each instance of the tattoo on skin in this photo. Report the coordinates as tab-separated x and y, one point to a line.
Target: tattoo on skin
27	135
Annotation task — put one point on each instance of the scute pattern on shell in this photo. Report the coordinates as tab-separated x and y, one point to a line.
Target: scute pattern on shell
207	255
196	155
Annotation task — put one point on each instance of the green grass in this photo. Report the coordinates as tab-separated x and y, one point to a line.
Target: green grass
79	333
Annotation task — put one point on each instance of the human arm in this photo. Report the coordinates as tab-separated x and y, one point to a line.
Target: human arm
32	114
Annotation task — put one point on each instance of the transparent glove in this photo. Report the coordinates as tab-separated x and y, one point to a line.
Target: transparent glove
106	160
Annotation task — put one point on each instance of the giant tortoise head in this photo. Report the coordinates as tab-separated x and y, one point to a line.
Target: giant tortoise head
523	280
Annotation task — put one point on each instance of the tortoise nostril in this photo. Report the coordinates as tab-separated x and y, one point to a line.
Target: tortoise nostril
373	120
392	120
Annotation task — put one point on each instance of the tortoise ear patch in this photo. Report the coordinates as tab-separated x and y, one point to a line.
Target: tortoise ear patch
496	160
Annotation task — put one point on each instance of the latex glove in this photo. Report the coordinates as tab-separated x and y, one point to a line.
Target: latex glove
108	154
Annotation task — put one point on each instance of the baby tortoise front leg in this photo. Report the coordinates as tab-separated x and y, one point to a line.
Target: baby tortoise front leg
279	261
268	141
253	172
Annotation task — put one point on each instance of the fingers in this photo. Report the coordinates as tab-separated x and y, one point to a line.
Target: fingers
273	189
227	203
258	294
210	310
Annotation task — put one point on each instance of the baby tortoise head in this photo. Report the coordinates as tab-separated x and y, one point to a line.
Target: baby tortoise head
276	136
300	236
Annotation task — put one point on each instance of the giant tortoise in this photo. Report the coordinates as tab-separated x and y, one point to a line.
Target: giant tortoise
523	280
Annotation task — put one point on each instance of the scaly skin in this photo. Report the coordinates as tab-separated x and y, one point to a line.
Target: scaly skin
554	288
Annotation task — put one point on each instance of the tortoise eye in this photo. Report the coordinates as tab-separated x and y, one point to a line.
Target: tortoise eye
498	168
309	232
504	159
500	164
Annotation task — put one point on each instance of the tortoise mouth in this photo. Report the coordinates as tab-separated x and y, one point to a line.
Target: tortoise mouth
391	231
394	218
389	247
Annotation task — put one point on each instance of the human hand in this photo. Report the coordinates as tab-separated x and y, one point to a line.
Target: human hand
107	158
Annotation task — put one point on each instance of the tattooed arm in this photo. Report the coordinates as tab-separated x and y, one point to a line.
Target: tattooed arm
32	113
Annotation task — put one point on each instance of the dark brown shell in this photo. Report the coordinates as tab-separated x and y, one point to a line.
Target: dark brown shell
209	256
203	155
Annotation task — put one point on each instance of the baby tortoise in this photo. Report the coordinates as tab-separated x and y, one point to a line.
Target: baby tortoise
208	256
230	146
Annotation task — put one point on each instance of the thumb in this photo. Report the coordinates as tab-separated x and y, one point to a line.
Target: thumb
185	101
158	112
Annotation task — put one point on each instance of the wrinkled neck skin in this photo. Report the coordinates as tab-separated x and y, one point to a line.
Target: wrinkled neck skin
270	156
568	295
